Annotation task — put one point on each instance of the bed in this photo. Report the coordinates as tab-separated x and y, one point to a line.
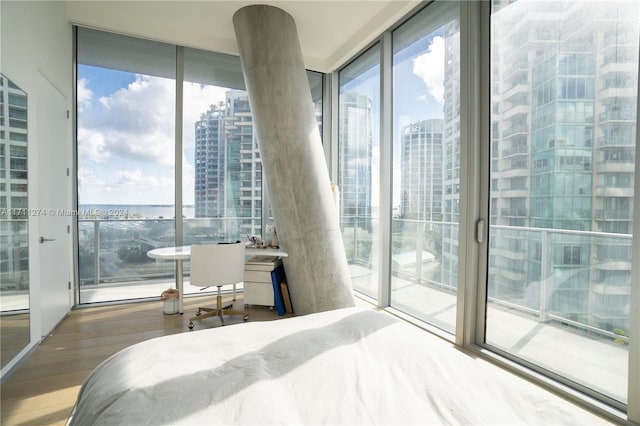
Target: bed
348	366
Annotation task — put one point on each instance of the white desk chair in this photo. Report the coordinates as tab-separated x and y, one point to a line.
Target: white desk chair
217	264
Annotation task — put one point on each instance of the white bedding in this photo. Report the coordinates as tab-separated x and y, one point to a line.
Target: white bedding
349	366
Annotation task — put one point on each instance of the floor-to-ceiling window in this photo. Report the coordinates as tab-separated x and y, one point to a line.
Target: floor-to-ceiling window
221	169
561	97
131	161
358	169
563	101
223	190
426	165
14	221
125	120
558	90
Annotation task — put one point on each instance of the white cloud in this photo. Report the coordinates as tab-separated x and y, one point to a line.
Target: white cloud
88	177
91	146
143	187
197	99
136	122
134	178
84	94
91	187
125	186
126	141
430	68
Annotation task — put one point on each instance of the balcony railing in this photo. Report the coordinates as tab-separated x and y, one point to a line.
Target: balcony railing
519	149
115	250
564	264
561	280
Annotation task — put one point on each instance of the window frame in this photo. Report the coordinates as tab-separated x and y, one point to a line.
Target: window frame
475	199
111	53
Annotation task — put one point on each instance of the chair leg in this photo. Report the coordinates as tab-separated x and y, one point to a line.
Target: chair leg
219	311
219	304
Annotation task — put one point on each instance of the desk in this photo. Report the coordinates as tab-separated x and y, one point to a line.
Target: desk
181	253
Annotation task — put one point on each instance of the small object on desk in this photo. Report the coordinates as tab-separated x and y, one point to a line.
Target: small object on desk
255	241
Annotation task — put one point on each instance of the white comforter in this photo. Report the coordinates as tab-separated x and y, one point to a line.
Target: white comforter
349	366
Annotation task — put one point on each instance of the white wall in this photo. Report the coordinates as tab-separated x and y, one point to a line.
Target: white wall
36	45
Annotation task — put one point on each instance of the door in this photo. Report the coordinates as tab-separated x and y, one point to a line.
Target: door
53	208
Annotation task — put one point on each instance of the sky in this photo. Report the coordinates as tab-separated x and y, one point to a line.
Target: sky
418	79
126	136
126	132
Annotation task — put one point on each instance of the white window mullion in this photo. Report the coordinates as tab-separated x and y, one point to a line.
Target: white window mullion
178	145
474	140
386	165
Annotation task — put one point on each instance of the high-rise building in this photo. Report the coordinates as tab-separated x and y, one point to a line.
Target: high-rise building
563	119
451	159
228	171
210	163
243	193
422	179
562	157
228	168
356	159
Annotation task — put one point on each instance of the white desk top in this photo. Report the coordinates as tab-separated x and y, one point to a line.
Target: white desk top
184	252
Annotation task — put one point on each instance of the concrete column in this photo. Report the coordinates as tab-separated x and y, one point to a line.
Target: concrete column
293	159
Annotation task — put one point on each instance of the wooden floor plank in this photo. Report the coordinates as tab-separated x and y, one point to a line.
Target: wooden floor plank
43	389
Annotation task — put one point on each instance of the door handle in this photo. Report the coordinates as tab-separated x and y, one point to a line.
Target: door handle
44	240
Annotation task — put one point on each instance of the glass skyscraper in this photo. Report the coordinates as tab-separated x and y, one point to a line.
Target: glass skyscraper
422	170
228	171
356	159
210	160
563	143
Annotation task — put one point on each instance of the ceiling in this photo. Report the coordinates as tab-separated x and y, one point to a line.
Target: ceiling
330	31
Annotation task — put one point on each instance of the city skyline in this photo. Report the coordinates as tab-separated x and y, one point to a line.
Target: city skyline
510	191
126	133
560	151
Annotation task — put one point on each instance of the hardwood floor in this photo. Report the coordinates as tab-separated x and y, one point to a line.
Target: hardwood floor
14	335
43	389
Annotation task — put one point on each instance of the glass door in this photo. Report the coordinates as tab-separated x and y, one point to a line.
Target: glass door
358	169
14	221
564	97
426	165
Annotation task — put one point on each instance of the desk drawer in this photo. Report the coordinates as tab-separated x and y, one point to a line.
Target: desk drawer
257	276
258	293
